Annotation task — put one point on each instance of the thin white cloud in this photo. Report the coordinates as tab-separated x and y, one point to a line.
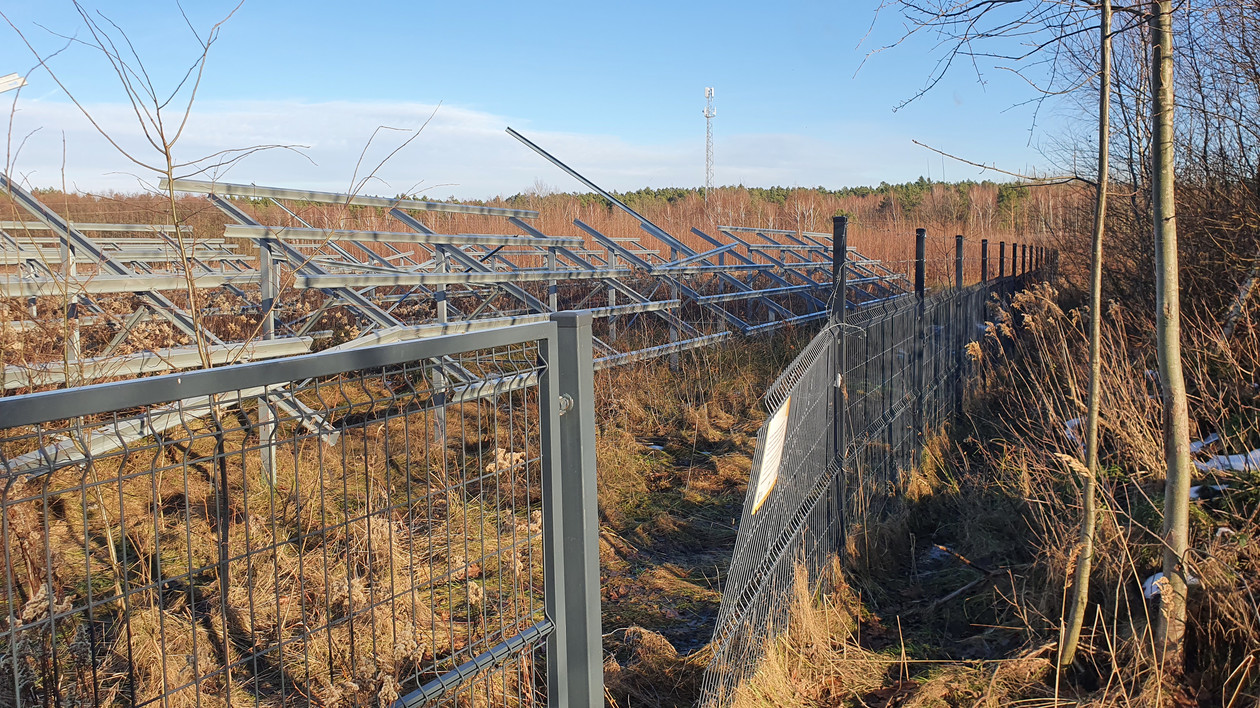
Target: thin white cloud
462	152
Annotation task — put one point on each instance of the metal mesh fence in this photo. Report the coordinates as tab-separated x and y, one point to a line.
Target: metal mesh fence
895	368
375	534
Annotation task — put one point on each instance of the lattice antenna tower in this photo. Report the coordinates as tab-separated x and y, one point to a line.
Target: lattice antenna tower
709	113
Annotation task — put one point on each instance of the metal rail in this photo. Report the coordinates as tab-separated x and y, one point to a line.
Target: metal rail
407	566
408	283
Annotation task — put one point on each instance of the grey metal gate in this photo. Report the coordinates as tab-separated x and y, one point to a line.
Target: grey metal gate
420	530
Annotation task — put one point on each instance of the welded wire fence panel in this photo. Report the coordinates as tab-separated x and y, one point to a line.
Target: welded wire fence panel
881	383
895	370
378	533
780	510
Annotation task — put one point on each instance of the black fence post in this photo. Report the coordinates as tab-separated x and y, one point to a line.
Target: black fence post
839	257
920	335
1001	261
839	397
958	261
1023	259
958	334
984	260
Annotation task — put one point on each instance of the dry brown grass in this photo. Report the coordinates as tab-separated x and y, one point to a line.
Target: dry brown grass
998	491
317	590
361	566
668	514
821	659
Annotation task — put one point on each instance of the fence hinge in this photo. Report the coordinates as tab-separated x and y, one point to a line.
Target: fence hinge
566	403
839	380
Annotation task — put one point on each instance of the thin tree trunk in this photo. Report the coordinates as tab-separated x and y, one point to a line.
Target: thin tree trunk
1240	303
1085	561
1171	625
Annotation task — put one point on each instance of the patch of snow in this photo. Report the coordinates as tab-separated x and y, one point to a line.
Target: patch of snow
1069	428
1154	585
1232	463
1200	444
1207	491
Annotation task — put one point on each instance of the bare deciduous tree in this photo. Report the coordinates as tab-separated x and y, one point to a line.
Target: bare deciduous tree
1171	625
1089	511
162	114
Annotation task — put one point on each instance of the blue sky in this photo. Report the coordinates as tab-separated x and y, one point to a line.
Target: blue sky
616	90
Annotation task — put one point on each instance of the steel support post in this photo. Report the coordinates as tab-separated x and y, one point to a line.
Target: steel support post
675	293
575	667
269	290
439	383
440	263
920	331
612	299
552	287
984	260
70	274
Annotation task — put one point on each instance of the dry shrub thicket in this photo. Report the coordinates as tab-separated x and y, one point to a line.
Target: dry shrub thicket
975	620
1006	494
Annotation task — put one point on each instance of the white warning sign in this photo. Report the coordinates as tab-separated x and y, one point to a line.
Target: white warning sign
772	454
